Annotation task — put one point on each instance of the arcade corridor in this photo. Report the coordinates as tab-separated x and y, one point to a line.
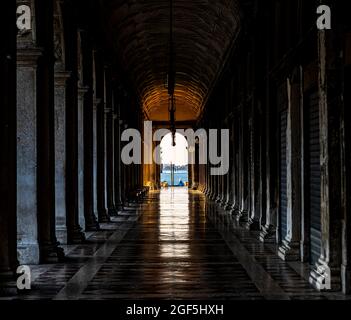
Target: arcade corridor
171	247
86	86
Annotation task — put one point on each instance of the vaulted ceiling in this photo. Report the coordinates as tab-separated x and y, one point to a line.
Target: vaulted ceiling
204	31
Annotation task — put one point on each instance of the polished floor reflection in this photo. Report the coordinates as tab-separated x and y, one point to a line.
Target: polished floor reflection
173	246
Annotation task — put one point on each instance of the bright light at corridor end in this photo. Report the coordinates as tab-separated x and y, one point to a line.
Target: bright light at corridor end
178	154
204	147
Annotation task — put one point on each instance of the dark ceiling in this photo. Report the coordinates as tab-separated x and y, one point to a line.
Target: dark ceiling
203	34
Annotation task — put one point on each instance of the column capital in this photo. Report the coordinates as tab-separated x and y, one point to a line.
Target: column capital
82	90
108	110
97	101
27	57
61	78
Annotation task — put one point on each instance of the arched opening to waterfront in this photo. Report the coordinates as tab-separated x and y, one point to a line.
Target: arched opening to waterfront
175	160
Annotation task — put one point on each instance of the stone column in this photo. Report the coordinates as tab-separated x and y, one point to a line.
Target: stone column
345	137
229	201
208	182
196	182
117	157
290	248
101	141
234	195
213	187
101	181
224	189
226	200
27	218
73	130
48	246
110	145
28	55
255	170
91	223
326	273
61	81
80	115
243	168
60	155
95	141
251	171
110	163
269	229
218	179
8	255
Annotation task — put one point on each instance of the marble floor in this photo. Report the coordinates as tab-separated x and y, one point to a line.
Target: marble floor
174	245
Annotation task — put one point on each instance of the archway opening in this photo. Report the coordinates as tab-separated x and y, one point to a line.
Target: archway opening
175	161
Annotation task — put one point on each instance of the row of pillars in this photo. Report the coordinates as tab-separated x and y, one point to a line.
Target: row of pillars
252	96
62	116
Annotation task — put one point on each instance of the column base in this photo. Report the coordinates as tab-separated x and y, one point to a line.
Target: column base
51	253
28	253
119	207
305	251
228	206
76	236
195	187
8	284
234	211
243	217
112	212
346	279
268	234
62	235
323	278
252	225
289	251
92	226
104	217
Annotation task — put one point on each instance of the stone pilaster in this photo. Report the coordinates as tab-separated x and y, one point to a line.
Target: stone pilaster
81	92
345	137
110	146
60	155
101	171
91	223
253	222
230	187
27	161
48	245
290	248
118	165
235	173
69	62
95	142
326	274
269	229
85	167
243	169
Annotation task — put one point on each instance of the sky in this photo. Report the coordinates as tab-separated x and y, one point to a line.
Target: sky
177	155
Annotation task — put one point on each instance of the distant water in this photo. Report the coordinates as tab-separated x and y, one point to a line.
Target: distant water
178	176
